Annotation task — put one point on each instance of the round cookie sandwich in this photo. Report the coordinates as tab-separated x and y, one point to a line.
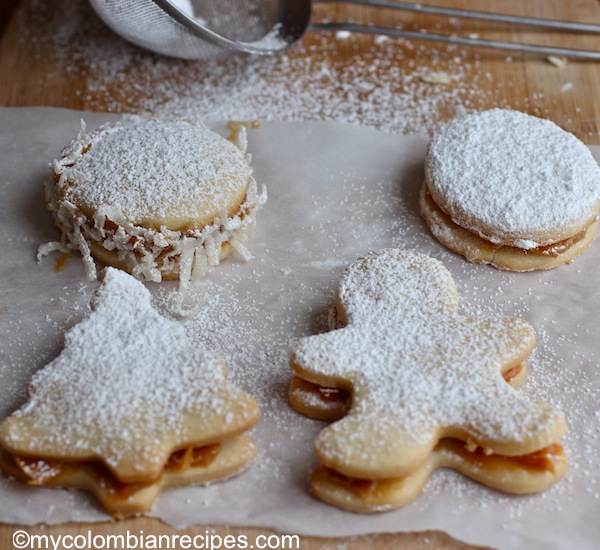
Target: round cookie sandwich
159	199
511	190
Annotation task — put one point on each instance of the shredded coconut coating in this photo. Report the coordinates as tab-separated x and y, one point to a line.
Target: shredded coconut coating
418	371
513	179
127	389
165	197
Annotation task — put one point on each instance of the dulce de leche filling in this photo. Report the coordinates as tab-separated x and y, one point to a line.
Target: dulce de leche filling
552	249
543	460
41	472
192	457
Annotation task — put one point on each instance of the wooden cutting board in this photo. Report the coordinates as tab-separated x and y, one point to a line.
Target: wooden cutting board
35	72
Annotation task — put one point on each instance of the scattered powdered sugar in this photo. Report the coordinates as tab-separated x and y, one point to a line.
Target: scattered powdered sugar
123	388
342	35
316	80
250	312
559	61
566	87
437	77
311	82
513	178
232	324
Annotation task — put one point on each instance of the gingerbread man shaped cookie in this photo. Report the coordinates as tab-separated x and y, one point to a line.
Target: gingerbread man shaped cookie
422	377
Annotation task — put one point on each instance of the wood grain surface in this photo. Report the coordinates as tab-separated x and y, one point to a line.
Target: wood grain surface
37	72
41	66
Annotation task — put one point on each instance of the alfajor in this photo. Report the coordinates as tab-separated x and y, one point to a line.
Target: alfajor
511	190
159	199
128	408
413	385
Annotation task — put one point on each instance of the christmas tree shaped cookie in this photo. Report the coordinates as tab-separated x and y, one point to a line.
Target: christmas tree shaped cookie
128	407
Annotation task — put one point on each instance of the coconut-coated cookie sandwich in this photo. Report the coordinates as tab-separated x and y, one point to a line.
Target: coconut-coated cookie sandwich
159	199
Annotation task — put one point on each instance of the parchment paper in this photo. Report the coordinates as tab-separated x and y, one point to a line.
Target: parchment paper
335	192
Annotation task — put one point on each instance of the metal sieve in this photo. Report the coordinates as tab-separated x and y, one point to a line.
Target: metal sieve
219	28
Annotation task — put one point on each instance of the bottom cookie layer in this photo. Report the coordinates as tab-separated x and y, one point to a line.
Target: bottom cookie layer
192	466
127	262
518	475
511	258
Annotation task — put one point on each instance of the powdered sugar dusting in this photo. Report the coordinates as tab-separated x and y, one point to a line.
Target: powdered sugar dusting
168	173
418	372
326	214
513	179
122	388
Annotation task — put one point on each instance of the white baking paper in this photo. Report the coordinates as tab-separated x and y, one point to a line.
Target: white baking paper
336	192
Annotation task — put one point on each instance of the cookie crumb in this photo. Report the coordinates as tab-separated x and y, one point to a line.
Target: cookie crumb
559	61
437	77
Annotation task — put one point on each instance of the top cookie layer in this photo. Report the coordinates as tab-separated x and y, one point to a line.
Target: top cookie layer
513	179
156	173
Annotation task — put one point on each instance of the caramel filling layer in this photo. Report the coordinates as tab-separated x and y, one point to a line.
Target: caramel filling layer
552	249
41	472
512	373
540	461
332	394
